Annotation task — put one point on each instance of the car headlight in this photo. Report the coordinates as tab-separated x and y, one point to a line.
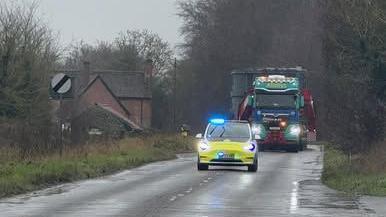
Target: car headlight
295	130
251	147
203	146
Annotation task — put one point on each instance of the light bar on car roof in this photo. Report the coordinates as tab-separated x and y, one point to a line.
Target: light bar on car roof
217	121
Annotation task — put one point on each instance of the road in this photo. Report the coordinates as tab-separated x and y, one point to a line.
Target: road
285	185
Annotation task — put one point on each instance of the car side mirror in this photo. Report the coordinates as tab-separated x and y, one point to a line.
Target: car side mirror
199	136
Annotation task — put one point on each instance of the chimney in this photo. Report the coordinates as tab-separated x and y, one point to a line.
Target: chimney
148	72
149	69
85	75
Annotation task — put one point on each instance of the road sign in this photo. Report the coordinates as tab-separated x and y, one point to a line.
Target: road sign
61	83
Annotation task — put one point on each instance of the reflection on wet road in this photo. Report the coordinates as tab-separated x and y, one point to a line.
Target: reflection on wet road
285	185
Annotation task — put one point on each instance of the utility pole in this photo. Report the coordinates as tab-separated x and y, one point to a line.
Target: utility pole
175	94
4	75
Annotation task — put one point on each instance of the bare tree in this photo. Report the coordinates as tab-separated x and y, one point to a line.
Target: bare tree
147	45
129	51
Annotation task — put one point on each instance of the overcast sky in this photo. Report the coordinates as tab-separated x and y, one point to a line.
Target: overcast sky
92	20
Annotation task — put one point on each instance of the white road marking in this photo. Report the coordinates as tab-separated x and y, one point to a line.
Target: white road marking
294	198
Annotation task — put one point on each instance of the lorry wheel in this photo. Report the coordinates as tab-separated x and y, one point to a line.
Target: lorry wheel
293	149
301	146
254	166
261	148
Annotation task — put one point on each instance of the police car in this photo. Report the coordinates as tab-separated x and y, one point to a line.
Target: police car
227	143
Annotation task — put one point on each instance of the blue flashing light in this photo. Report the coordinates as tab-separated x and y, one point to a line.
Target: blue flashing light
220	154
217	121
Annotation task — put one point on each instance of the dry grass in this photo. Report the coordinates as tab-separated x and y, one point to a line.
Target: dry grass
19	175
362	174
374	161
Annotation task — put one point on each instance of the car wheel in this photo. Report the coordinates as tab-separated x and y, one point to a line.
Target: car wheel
254	166
201	166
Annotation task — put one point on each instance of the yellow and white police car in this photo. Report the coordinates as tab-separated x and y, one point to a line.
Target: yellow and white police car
227	143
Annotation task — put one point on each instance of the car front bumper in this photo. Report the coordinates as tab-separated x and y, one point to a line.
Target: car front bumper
239	160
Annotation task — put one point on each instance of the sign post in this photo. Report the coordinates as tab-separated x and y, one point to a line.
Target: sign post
61	84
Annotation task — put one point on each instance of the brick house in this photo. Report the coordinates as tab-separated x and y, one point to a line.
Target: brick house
106	100
131	90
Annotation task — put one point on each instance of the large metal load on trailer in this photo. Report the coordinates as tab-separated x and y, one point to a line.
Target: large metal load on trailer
278	104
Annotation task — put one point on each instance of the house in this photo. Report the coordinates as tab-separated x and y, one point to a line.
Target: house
131	90
108	101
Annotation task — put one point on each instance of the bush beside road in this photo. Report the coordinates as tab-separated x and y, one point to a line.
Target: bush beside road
359	174
19	176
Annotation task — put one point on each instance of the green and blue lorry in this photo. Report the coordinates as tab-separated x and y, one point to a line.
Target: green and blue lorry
278	104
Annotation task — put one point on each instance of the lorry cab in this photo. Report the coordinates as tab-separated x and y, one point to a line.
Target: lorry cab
277	101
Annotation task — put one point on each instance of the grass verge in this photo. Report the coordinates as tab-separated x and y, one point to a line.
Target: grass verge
19	176
359	174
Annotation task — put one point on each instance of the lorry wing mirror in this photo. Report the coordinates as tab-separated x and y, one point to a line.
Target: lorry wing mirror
199	136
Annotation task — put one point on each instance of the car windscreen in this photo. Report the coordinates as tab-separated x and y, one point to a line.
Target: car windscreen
229	131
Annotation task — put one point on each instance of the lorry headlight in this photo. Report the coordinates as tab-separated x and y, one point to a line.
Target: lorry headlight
295	130
283	124
203	146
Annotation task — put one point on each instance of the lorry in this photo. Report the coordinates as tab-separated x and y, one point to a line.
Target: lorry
278	105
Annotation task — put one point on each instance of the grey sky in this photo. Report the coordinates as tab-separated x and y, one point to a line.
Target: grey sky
92	20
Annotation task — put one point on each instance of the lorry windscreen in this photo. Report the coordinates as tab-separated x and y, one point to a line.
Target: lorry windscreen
270	100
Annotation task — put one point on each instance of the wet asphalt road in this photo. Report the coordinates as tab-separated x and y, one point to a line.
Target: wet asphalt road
285	185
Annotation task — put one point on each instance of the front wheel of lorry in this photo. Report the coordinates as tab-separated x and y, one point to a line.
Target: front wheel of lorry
293	149
301	146
261	148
